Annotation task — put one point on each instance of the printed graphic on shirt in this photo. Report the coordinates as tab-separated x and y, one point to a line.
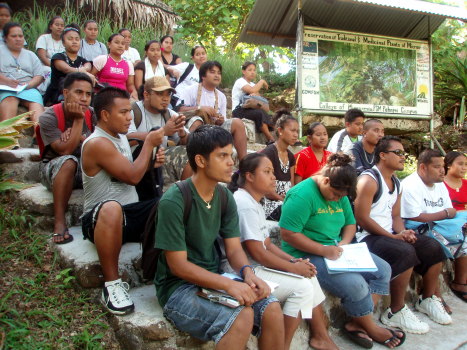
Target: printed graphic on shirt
116	70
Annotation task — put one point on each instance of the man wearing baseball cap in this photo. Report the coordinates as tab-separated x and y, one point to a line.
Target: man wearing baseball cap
152	112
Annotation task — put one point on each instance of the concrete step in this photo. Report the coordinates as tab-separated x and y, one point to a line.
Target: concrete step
81	256
21	164
38	200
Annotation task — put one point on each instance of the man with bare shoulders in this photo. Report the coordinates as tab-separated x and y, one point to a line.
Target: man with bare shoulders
112	214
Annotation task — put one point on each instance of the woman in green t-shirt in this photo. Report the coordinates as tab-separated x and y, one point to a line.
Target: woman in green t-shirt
316	220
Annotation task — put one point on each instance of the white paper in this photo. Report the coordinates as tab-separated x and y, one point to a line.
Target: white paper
355	257
18	88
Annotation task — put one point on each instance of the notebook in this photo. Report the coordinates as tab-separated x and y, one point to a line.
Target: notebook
354	258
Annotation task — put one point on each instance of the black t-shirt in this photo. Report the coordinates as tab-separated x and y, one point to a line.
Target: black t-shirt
174	59
56	86
281	175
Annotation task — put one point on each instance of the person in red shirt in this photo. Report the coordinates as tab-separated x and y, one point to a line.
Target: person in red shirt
455	166
311	159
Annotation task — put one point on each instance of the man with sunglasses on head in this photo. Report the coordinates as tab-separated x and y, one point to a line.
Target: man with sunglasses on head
378	213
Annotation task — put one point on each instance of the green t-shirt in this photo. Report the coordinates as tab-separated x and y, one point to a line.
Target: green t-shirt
306	211
197	238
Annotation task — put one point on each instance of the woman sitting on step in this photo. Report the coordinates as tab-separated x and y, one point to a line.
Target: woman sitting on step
20	73
312	158
282	160
316	221
113	70
298	289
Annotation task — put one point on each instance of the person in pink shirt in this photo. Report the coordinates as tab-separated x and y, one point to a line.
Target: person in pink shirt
311	159
113	70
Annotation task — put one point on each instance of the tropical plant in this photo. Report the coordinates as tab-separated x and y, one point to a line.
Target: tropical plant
10	130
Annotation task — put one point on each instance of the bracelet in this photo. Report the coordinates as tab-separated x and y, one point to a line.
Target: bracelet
447	213
243	268
402	231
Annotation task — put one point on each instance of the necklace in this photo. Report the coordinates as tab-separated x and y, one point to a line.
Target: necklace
366	158
208	203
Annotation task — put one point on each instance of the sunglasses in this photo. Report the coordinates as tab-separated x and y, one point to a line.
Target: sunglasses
397	152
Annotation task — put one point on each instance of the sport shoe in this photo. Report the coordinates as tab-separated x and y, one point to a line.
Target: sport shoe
433	307
115	297
405	320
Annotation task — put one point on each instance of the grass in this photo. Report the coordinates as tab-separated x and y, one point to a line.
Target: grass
39	306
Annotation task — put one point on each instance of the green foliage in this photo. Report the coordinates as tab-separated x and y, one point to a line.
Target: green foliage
205	21
410	167
34	22
38	307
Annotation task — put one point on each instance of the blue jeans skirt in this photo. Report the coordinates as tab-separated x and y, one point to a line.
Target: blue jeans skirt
204	319
354	288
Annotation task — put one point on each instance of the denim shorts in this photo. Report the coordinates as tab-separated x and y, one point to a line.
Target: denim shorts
204	319
354	289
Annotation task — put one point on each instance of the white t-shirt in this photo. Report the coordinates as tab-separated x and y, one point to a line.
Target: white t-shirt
381	211
208	98
131	55
46	42
346	142
191	79
252	219
237	91
418	198
150	120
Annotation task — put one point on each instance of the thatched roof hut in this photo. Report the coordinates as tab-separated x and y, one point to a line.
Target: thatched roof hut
140	13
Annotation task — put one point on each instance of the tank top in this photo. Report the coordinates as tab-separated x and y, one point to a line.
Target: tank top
381	211
102	186
114	73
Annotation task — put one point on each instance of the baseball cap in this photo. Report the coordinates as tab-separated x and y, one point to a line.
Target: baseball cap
158	84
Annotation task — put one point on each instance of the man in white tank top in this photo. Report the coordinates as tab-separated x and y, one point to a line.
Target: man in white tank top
112	214
377	210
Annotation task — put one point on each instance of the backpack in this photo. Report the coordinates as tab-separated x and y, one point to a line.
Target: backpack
138	114
151	254
377	176
60	115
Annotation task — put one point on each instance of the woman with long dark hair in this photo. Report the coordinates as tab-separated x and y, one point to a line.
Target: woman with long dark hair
316	221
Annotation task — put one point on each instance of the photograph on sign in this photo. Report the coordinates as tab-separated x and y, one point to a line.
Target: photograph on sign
376	74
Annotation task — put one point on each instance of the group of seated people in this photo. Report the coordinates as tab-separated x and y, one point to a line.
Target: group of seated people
323	197
315	218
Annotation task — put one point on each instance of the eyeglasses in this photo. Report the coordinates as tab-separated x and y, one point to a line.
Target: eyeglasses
397	152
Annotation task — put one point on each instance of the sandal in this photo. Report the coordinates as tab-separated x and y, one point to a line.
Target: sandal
63	234
394	336
354	336
460	294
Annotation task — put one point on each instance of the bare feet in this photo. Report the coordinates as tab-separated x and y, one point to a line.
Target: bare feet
323	344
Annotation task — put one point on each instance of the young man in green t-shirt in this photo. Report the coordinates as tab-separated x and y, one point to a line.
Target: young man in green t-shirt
190	261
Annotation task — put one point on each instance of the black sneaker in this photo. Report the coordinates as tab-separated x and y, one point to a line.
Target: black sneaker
115	297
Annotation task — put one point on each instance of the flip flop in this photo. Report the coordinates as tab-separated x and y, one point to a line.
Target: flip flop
460	294
63	234
394	336
354	336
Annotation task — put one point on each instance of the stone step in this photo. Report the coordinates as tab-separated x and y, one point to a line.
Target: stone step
38	200
21	164
81	256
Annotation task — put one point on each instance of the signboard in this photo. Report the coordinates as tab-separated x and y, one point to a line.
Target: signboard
378	75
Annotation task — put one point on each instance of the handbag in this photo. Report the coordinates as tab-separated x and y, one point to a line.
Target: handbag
450	233
253	101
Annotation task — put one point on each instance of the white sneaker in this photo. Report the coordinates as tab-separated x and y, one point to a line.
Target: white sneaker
115	297
433	307
405	320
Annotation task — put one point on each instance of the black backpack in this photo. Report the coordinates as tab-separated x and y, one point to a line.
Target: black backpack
377	176
151	254
175	100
